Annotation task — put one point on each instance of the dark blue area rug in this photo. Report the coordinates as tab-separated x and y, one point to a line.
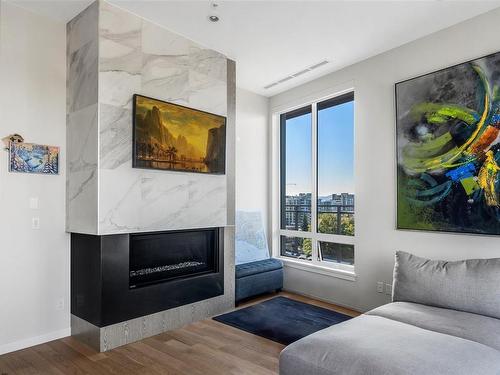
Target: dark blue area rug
282	319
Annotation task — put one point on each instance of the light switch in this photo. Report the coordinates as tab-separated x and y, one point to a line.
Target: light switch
34	203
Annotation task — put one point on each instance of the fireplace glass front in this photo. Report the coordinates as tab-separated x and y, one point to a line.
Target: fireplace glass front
163	256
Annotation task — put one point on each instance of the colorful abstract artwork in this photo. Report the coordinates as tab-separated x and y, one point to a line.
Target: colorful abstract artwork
448	149
172	137
33	158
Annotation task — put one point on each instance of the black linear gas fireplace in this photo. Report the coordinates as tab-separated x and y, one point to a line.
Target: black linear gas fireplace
159	257
120	277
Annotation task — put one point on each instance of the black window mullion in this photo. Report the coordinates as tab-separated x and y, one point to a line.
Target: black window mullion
283	118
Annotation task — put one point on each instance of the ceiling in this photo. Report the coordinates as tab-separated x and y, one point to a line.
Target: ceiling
271	40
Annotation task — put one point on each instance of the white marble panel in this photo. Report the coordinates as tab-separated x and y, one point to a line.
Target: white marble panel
207	93
182	200
82	164
117	88
82	77
83	28
141	200
136	56
208	62
115	136
120	56
159	41
120	38
166	64
119	200
166	78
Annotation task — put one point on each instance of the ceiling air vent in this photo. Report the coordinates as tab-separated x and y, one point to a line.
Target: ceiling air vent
296	74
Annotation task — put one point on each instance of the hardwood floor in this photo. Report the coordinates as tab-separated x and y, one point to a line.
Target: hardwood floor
202	348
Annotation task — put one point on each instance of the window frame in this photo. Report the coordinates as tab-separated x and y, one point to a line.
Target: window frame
343	271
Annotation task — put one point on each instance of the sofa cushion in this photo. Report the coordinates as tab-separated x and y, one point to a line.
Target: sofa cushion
474	327
260	266
378	346
468	285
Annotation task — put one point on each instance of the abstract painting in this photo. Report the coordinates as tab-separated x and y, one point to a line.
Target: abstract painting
33	158
172	137
448	149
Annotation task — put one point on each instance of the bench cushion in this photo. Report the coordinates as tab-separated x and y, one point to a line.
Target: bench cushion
260	266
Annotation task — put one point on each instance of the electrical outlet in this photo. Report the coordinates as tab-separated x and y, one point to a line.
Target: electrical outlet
35	223
60	304
388	289
380	287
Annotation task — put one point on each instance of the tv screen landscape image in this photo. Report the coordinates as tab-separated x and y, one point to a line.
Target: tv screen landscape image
172	137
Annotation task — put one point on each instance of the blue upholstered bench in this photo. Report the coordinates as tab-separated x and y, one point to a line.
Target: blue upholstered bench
261	276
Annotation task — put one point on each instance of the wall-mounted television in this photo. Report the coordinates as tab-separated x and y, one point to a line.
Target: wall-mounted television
172	137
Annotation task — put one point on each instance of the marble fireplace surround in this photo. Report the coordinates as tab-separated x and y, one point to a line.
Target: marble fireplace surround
111	55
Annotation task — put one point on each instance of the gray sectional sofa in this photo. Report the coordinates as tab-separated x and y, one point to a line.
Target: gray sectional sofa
444	320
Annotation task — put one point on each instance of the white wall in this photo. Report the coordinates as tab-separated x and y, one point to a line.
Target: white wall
376	238
34	264
252	150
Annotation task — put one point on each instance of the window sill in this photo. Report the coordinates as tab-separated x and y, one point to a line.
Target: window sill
314	268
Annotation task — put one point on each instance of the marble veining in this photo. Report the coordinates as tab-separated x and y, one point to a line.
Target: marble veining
159	41
119	197
83	28
115	136
209	63
129	55
137	56
82	168
158	200
82	77
120	56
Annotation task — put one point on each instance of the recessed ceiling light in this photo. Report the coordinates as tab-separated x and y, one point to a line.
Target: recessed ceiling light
213	17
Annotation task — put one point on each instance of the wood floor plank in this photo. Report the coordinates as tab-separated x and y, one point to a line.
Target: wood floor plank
207	347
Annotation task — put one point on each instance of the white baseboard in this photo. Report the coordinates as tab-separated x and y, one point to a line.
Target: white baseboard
32	341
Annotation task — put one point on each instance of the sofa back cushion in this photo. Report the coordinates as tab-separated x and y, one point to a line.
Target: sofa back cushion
467	285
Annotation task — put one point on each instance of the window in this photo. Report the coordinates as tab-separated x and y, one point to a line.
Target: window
317	183
297	163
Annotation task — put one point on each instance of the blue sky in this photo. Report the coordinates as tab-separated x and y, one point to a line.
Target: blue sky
335	151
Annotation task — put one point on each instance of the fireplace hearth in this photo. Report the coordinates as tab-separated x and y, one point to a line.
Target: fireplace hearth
115	278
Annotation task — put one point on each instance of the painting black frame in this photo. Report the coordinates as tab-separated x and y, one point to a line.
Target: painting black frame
134	149
397	148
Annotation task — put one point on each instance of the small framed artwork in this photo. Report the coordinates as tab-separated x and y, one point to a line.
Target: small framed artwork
448	149
33	158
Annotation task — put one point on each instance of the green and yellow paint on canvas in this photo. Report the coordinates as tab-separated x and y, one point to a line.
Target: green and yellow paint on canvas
448	144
